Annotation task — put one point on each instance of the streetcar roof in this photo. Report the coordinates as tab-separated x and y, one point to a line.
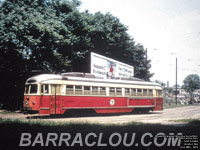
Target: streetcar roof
47	77
111	81
43	77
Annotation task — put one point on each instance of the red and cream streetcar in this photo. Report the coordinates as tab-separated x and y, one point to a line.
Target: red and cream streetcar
55	94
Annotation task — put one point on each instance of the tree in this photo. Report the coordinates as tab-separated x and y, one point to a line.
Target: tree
161	83
31	36
107	36
191	83
54	36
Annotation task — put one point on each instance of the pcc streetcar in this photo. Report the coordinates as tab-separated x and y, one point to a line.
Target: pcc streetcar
55	94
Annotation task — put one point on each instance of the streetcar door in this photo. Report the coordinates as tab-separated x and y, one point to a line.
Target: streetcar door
55	95
44	99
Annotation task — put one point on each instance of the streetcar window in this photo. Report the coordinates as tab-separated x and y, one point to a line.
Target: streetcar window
78	89
150	92
26	89
45	89
139	92
94	90
102	91
55	89
111	91
159	93
145	92
118	91
86	90
127	91
33	89
69	89
133	92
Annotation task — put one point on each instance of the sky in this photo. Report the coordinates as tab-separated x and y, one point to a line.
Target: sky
169	29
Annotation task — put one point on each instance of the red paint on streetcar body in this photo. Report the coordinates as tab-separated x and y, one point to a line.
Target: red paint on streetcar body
55	94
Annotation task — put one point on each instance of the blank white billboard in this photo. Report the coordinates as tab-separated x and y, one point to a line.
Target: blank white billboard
106	68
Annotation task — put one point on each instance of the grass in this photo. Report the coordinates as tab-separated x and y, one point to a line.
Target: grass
189	121
11	131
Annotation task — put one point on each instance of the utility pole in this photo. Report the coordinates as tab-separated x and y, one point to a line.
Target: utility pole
176	82
146	55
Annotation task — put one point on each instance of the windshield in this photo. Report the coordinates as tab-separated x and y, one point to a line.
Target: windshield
31	89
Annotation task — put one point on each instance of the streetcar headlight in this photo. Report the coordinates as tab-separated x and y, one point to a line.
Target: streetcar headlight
33	102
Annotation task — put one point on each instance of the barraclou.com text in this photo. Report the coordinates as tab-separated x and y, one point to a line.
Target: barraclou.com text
93	139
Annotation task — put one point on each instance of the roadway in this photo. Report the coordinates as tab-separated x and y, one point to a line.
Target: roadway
167	116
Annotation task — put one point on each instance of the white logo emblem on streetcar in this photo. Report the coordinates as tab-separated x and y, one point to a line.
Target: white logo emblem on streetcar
112	102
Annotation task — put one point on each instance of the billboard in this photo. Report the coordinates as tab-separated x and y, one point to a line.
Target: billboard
107	68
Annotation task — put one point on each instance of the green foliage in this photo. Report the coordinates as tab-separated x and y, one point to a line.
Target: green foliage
161	83
54	36
191	82
33	35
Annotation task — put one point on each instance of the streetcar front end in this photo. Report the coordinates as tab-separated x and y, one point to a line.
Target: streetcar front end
31	98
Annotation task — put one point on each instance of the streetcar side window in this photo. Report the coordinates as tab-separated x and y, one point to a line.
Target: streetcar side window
133	92
139	92
70	89
45	89
58	89
94	90
102	91
78	89
145	93
55	89
150	92
86	90
159	93
34	88
111	91
127	92
119	91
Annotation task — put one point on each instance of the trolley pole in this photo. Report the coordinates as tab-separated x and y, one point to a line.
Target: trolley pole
176	83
